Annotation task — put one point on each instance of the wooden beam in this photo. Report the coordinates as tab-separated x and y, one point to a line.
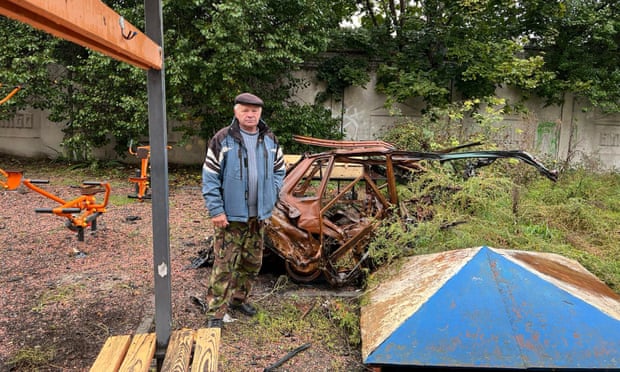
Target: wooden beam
112	354
89	23
207	349
179	351
140	353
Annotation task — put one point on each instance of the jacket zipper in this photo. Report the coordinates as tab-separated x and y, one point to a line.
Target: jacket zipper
240	162
265	154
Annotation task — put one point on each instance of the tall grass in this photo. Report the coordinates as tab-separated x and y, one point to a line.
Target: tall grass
513	208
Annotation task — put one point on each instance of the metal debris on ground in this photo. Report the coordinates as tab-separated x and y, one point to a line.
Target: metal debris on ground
287	357
205	256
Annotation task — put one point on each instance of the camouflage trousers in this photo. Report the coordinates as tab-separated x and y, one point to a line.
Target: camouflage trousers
238	252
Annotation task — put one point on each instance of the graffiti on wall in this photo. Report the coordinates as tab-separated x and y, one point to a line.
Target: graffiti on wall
353	122
548	138
608	141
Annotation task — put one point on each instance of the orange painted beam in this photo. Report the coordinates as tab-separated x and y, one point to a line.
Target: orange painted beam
11	94
89	23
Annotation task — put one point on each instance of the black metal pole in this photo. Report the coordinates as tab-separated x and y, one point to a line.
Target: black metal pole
159	179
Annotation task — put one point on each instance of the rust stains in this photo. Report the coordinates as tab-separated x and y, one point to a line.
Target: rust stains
331	202
582	280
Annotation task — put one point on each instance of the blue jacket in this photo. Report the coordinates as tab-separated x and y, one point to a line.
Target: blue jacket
225	173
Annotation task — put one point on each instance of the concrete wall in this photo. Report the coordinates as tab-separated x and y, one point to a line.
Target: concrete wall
558	132
30	134
561	133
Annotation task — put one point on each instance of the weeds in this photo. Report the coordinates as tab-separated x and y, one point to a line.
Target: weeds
56	295
344	315
325	321
32	359
578	217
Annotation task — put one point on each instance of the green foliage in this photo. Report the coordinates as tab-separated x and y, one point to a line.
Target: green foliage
307	120
112	106
27	59
326	320
391	242
345	317
213	51
577	217
400	85
442	52
436	47
447	51
442	127
218	49
581	49
273	325
340	72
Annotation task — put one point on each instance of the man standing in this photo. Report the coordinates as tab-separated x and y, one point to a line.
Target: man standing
241	178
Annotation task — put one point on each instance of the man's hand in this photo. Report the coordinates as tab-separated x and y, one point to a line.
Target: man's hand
220	220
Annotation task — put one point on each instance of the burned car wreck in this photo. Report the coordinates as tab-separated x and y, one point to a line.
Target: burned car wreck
331	202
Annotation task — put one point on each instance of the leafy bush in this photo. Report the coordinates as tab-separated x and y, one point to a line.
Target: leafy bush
294	119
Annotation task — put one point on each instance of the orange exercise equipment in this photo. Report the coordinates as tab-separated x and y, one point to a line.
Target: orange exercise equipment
12	179
80	212
142	179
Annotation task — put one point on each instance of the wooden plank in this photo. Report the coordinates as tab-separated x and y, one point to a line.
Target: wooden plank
140	354
179	351
341	171
206	350
112	354
346	171
89	23
290	159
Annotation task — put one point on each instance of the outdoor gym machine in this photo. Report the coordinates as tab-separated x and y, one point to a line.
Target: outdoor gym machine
80	212
142	178
11	179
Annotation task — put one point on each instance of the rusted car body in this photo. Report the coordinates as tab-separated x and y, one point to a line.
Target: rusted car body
332	201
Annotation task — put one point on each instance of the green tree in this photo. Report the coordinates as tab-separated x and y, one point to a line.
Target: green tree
582	50
213	51
448	53
441	50
454	53
26	59
339	72
228	47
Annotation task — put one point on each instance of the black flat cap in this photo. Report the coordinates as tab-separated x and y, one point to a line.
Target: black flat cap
249	99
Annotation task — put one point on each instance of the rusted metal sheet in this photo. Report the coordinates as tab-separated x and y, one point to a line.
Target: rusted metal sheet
342	144
492	308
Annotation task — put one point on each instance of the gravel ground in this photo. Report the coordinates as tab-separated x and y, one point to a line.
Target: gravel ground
61	298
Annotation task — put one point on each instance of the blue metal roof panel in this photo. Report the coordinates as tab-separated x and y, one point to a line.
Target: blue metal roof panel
496	313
